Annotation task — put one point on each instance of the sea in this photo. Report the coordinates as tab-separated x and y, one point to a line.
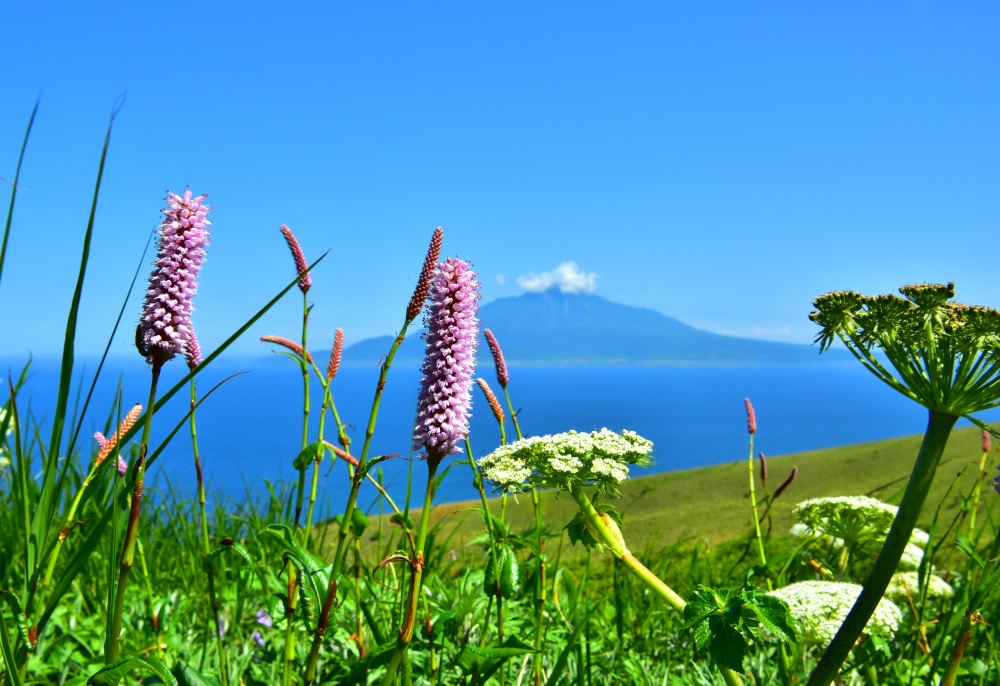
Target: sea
249	428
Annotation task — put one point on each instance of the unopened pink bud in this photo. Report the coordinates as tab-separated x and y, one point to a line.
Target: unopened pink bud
986	441
751	416
763	467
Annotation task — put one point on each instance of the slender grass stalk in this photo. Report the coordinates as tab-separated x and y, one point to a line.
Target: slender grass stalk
112	644
15	188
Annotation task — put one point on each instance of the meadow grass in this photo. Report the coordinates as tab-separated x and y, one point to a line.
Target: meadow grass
583	578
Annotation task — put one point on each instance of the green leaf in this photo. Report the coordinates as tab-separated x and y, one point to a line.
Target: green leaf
314	452
314	577
775	615
114	673
234	548
489	660
728	646
187	676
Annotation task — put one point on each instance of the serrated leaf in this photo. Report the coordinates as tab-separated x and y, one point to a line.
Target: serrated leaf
702	635
703	602
314	579
114	673
775	615
728	646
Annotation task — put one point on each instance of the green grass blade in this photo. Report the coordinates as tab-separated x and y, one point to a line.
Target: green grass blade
6	650
48	497
14	189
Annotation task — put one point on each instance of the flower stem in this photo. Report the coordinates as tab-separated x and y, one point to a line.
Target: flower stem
416	580
206	543
338	560
939	428
112	642
597	524
305	405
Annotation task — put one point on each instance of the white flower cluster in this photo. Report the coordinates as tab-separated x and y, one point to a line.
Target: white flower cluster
600	457
821	607
907	584
856	519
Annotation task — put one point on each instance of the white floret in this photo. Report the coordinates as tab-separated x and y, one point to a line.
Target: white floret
821	607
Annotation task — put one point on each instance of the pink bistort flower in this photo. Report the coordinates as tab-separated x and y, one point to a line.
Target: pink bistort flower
450	361
165	324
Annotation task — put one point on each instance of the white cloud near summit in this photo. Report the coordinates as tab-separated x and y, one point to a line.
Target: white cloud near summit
567	277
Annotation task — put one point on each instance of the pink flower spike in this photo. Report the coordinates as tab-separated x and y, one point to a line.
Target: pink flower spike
987	444
335	354
122	465
449	362
165	320
751	417
300	259
192	351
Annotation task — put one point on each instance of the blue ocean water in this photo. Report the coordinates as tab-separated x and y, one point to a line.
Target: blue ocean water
250	428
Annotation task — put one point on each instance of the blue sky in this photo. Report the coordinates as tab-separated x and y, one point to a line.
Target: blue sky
723	163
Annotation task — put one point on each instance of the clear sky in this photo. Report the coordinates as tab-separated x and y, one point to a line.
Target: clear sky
721	162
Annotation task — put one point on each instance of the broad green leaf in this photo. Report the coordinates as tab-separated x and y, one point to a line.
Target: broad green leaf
114	673
728	646
775	616
472	657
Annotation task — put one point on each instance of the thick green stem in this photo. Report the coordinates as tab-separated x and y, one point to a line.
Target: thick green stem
939	428
606	531
951	671
112	642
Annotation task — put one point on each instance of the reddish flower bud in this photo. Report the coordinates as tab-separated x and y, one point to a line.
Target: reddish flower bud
426	276
763	467
335	354
784	484
751	416
305	280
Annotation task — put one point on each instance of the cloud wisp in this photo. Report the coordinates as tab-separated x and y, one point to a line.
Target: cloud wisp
567	277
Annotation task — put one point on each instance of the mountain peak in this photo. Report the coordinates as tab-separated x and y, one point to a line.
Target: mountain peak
556	328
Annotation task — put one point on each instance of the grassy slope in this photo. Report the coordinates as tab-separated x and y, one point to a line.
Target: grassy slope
713	502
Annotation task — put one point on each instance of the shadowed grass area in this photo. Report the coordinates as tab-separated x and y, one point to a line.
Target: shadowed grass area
710	503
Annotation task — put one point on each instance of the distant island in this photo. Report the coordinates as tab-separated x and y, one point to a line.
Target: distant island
563	329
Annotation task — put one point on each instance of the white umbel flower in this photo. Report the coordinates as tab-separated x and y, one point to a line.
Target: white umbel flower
821	607
600	457
907	584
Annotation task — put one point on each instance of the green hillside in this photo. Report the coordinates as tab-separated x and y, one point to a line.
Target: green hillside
713	502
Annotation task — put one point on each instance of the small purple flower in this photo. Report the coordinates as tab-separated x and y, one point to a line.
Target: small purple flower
449	362
996	482
122	465
264	618
165	324
258	638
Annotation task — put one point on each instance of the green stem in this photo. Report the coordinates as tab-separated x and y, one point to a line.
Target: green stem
601	526
951	671
206	544
305	405
416	578
939	428
753	507
112	642
338	560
